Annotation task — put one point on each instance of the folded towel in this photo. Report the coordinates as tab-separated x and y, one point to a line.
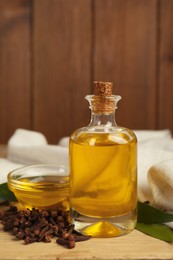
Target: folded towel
153	147
147	157
22	137
29	147
160	178
145	135
64	141
38	154
7	166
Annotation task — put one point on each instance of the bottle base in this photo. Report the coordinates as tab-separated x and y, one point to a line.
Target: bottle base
104	227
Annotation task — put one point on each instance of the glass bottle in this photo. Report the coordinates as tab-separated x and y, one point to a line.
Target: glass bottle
103	170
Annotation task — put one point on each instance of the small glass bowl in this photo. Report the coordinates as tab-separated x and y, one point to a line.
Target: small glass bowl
41	186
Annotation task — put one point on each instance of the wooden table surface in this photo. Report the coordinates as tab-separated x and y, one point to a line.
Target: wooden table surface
134	246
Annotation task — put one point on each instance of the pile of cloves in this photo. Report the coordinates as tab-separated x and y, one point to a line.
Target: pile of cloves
41	225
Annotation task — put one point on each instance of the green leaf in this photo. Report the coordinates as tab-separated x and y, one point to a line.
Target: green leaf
158	231
150	215
5	193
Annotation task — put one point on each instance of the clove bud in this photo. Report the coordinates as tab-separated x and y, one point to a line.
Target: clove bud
41	225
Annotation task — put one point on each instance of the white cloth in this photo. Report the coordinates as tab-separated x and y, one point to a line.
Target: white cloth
64	141
145	135
7	166
160	178
147	157
27	147
155	169
153	151
22	137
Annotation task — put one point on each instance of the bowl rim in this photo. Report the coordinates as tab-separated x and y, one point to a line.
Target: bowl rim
12	181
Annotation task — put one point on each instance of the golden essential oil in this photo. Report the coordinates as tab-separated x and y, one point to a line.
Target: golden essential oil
103	178
42	192
104	175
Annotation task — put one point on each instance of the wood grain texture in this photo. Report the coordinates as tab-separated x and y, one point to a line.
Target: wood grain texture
62	76
165	64
52	50
3	151
14	66
135	246
125	53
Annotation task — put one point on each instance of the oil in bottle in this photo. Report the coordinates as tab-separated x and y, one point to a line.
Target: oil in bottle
103	170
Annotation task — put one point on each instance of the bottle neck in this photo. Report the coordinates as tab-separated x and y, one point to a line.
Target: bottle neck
106	120
103	110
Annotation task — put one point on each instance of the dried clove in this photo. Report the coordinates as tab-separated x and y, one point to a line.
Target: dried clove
68	243
41	225
29	240
81	238
20	234
66	233
44	232
47	238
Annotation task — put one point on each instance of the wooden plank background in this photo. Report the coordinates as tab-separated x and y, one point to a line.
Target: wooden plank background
14	67
165	64
52	50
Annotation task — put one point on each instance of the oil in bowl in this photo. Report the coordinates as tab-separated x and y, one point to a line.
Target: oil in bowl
41	186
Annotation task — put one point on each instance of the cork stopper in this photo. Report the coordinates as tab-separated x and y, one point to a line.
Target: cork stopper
103	89
103	102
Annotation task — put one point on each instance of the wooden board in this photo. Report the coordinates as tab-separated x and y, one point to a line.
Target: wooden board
3	151
165	63
125	53
14	66
52	50
133	246
62	50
